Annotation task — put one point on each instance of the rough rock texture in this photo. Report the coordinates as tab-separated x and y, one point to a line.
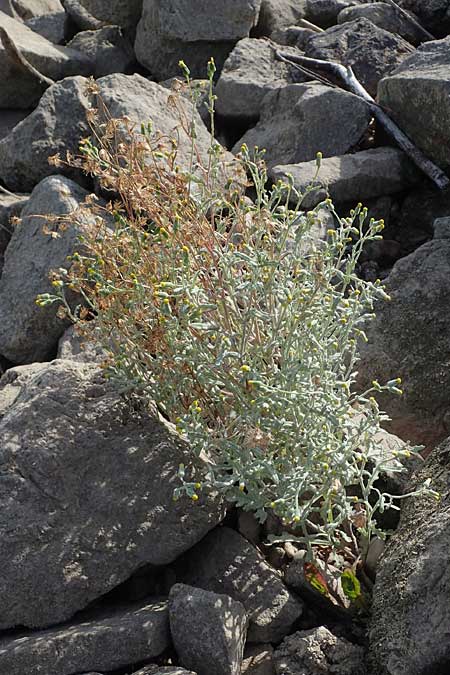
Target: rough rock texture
365	174
117	13
434	14
224	562
103	640
19	89
371	51
411	613
249	73
86	491
163	670
384	16
28	9
10	207
52	27
75	347
291	127
410	339
216	646
318	652
59	122
107	49
418	213
9	119
170	30
258	660
420	90
278	14
27	332
324	13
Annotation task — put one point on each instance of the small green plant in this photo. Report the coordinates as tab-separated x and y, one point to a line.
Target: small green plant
241	325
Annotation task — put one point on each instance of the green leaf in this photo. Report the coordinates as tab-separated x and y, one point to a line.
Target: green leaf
350	585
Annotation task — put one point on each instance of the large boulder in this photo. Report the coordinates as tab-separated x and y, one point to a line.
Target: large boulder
324	13
384	16
278	14
59	123
107	48
19	88
191	30
224	562
410	611
38	246
300	119
116	13
29	9
434	14
86	493
410	339
216	646
371	51
417	96
104	639
10	207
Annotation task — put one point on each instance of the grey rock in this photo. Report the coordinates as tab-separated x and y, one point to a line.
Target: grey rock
224	562
193	31
294	36
363	175
116	13
52	27
102	640
324	13
258	660
10	207
419	90
9	119
74	347
198	88
278	14
17	88
27	332
28	9
371	51
86	491
107	49
249	73
216	646
441	228
384	16
163	670
318	652
410	612
434	14
418	212
410	339
300	119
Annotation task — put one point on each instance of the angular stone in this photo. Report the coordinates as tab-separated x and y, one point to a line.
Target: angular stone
103	640
278	14
324	13
73	347
372	52
224	562
216	646
27	332
363	175
52	27
107	49
258	660
28	9
86	492
417	96
10	207
386	17
249	73
434	14
116	13
300	119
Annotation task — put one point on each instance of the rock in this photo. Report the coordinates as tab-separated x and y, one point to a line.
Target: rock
441	228
420	89
27	332
29	9
9	119
216	646
86	492
324	13
116	13
410	612
59	122
249	73
249	527
318	652
384	16
73	347
10	207
163	670
17	88
224	562
372	52
434	14
278	14
258	660
418	212
170	30
103	640
294	36
300	119
52	27
409	339
107	49
363	175
198	88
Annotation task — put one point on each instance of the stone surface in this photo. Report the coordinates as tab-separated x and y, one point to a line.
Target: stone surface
191	30
163	670
27	332
107	49
324	13
278	14
411	613
300	119
86	491
17	88
410	339
224	562
384	16
249	73
9	119
419	90
116	13
372	52
258	660
434	14
418	213
363	175
10	207
216	646
74	347
28	9
52	27
101	640
318	652
59	123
